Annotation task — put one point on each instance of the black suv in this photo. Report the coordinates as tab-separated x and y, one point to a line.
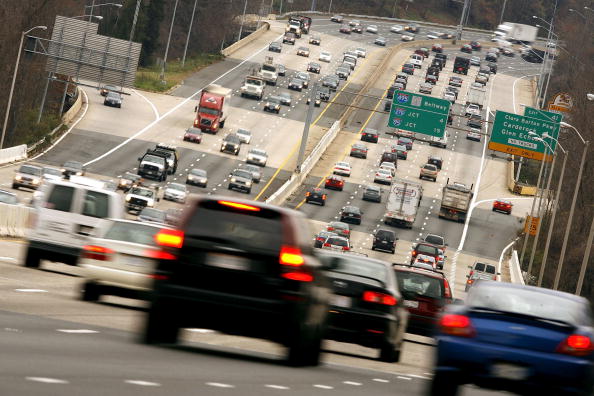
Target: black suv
243	268
384	240
315	195
231	144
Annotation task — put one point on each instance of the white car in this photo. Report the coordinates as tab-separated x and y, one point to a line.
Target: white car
257	157
432	35
474	134
450	96
416	60
361	52
426	262
383	176
244	135
325	56
371	29
389	166
407	37
397	29
175	192
342	169
472	109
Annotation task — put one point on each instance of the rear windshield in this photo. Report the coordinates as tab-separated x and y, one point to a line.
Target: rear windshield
337	241
424	249
479	267
132	232
356	266
528	301
245	229
413	284
435	239
382	234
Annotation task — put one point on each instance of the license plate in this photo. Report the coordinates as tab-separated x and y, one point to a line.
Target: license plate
341	301
509	371
136	261
411	304
227	261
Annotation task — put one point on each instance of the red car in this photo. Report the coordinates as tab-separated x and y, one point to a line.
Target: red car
476	46
335	182
501	205
437	48
466	48
193	135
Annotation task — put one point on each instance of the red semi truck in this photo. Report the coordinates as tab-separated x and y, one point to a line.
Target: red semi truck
212	108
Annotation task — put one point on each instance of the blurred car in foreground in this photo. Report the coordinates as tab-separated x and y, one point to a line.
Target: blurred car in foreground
517	338
247	268
366	308
9	198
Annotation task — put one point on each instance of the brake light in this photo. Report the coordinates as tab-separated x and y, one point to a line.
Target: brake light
238	205
470	281
330	228
414	253
346	248
456	325
379	298
159	255
170	238
291	256
95	252
576	345
298	276
324	196
307	194
327	245
447	292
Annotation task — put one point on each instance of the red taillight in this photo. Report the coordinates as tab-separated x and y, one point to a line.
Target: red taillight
330	228
470	281
159	255
456	325
346	232
346	248
158	277
576	345
298	276
379	298
414	253
447	293
327	245
95	252
324	197
291	256
238	205
170	238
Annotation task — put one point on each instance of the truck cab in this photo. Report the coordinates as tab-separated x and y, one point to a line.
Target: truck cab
172	155
140	197
212	108
253	87
268	71
153	165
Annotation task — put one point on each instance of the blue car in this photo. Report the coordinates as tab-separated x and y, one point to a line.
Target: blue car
517	338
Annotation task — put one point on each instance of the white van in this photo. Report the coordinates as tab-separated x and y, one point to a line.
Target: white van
350	60
66	213
416	60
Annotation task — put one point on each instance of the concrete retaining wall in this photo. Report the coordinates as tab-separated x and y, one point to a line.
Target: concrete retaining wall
246	40
514	268
13	154
73	111
14	220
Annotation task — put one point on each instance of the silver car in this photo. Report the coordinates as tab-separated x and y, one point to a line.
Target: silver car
28	176
257	157
197	177
256	172
175	192
245	136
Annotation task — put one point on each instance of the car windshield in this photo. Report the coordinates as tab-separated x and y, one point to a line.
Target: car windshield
52	171
357	266
273	99
258	152
303	76
285	95
242	173
194	131
435	239
232	138
153	213
30	170
73	164
113	95
143	192
154	158
372	189
324	53
176	186
244	132
479	267
132	231
412	284
430	167
303	49
337	241
198	172
528	301
8	198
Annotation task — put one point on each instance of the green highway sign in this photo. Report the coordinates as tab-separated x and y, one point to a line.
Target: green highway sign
546	116
510	134
419	113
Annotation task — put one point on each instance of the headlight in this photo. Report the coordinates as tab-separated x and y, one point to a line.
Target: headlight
78	173
35	181
233	180
249	183
190	177
17	177
62	170
128	198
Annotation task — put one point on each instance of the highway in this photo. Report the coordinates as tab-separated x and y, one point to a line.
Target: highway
56	344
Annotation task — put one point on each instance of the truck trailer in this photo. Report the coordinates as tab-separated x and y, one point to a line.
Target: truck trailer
403	203
476	96
213	107
455	201
516	32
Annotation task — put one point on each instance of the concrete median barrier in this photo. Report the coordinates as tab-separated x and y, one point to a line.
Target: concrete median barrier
246	40
14	220
12	154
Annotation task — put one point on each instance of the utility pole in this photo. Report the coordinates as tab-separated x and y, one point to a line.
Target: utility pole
578	290
243	20
134	20
168	41
189	33
305	135
502	12
460	26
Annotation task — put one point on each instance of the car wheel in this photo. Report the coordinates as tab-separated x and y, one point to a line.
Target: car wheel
161	325
304	347
15	187
388	354
90	292
32	259
443	384
249	191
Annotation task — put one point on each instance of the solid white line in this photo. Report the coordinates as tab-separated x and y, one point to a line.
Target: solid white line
142	383
77	331
6	258
149	102
201	330
31	290
173	109
47	380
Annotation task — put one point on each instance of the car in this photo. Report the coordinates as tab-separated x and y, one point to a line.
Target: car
346	29
425	88
289	37
416	60
427	249
28	176
475	122
314	67
413	28
366	307
389	166
231	144
354	22
393	88
8	198
108	88
402	77
431	79
389	156
492	67
449	96
474	134
193	135
51	173
315	40
383	176
455	81
370	135
406	142
381	41
75	168
359	150
503	206
343	73
272	104
397	29
432	35
437	47
113	99
275	46
436	240
330	81
508	51
281	70
315	195
337	18
435	160
317	100
372	193
446	36
340	228
384	240
152	215
334	182
429	171
466	48
474	279
285	98
140	197
335	242
472	109
516	338
342	169
408	68
426	262
197	177
371	29
481	79
361	52
475	61
439	141
407	37
176	192
321	237
128	180
424	52
241	179
303	76
491	57
475	45
257	156
303	51
245	136
400	150
256	172
325	56
351	214
453	90
441	259
250	284
484	268
357	29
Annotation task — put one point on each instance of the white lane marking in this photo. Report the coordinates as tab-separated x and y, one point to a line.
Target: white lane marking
277	387
31	290
323	386
352	383
381	380
173	109
6	258
201	330
77	331
142	383
220	385
404	378
47	380
149	102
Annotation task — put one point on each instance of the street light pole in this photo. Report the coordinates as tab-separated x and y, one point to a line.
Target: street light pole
502	12
578	290
189	33
330	7
14	76
243	19
305	135
168	41
134	21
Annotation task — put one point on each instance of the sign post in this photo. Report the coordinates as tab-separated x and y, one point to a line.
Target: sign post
419	113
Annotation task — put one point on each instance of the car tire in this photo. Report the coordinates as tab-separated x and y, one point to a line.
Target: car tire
161	326
443	384
305	347
32	259
91	291
15	187
388	354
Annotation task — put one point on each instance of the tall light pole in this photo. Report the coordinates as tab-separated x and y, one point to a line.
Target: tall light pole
168	41
138	2
14	76
330	7
502	12
189	33
573	201
460	26
242	20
